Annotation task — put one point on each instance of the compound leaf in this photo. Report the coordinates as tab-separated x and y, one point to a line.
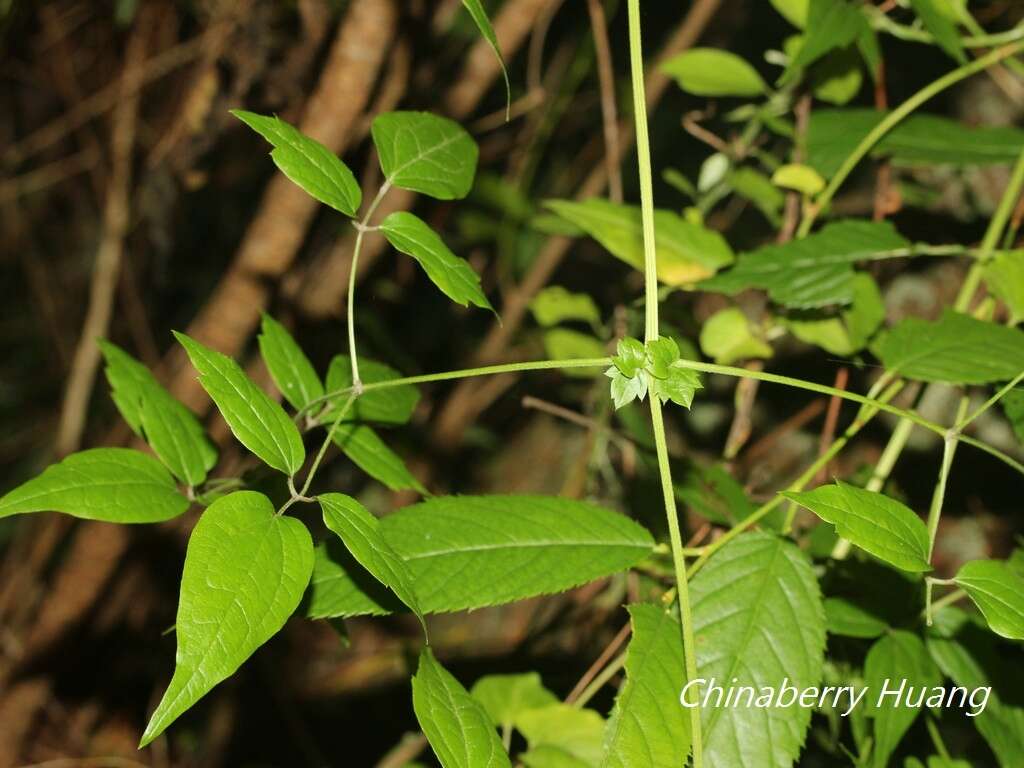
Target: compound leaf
172	430
758	614
957	349
998	591
259	423
307	162
117	485
425	153
648	728
877	524
456	725
360	532
289	367
371	454
412	236
246	569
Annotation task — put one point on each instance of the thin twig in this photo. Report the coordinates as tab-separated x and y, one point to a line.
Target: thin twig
609	111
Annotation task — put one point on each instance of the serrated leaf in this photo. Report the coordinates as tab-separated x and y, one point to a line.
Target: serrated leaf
117	485
727	336
852	329
456	279
476	10
957	349
307	162
340	587
686	252
713	72
662	354
505	697
679	386
887	529
360	532
473	551
813	272
246	569
941	27
893	659
998	591
1004	276
626	389
758	617
830	24
425	153
573	732
555	305
371	454
289	367
259	423
392	405
844	617
648	728
456	725
630	356
172	430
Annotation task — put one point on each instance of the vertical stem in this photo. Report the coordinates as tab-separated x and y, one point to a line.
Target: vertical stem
948	450
650	334
361	228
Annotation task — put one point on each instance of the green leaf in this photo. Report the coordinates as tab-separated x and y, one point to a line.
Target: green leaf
172	430
555	305
815	271
801	178
753	185
259	423
998	591
117	485
714	493
974	658
1004	275
794	11
569	344
456	279
957	349
844	617
758	615
714	72
476	10
941	27
371	454
246	569
392	405
921	139
340	587
679	386
837	78
425	153
626	389
547	756
727	336
473	551
894	658
506	697
630	356
307	162
360	532
456	725
648	728
662	354
686	252
852	329
289	367
887	529
830	24
573	732
1013	406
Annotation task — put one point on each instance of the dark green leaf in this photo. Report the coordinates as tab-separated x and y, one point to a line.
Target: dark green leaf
425	153
957	349
942	28
476	10
456	279
307	162
456	725
831	24
117	485
648	728
246	569
391	405
340	587
371	454
847	618
259	423
291	370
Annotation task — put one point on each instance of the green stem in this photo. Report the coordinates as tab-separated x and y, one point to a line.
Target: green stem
600	680
361	228
301	495
991	401
938	496
894	118
650	334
